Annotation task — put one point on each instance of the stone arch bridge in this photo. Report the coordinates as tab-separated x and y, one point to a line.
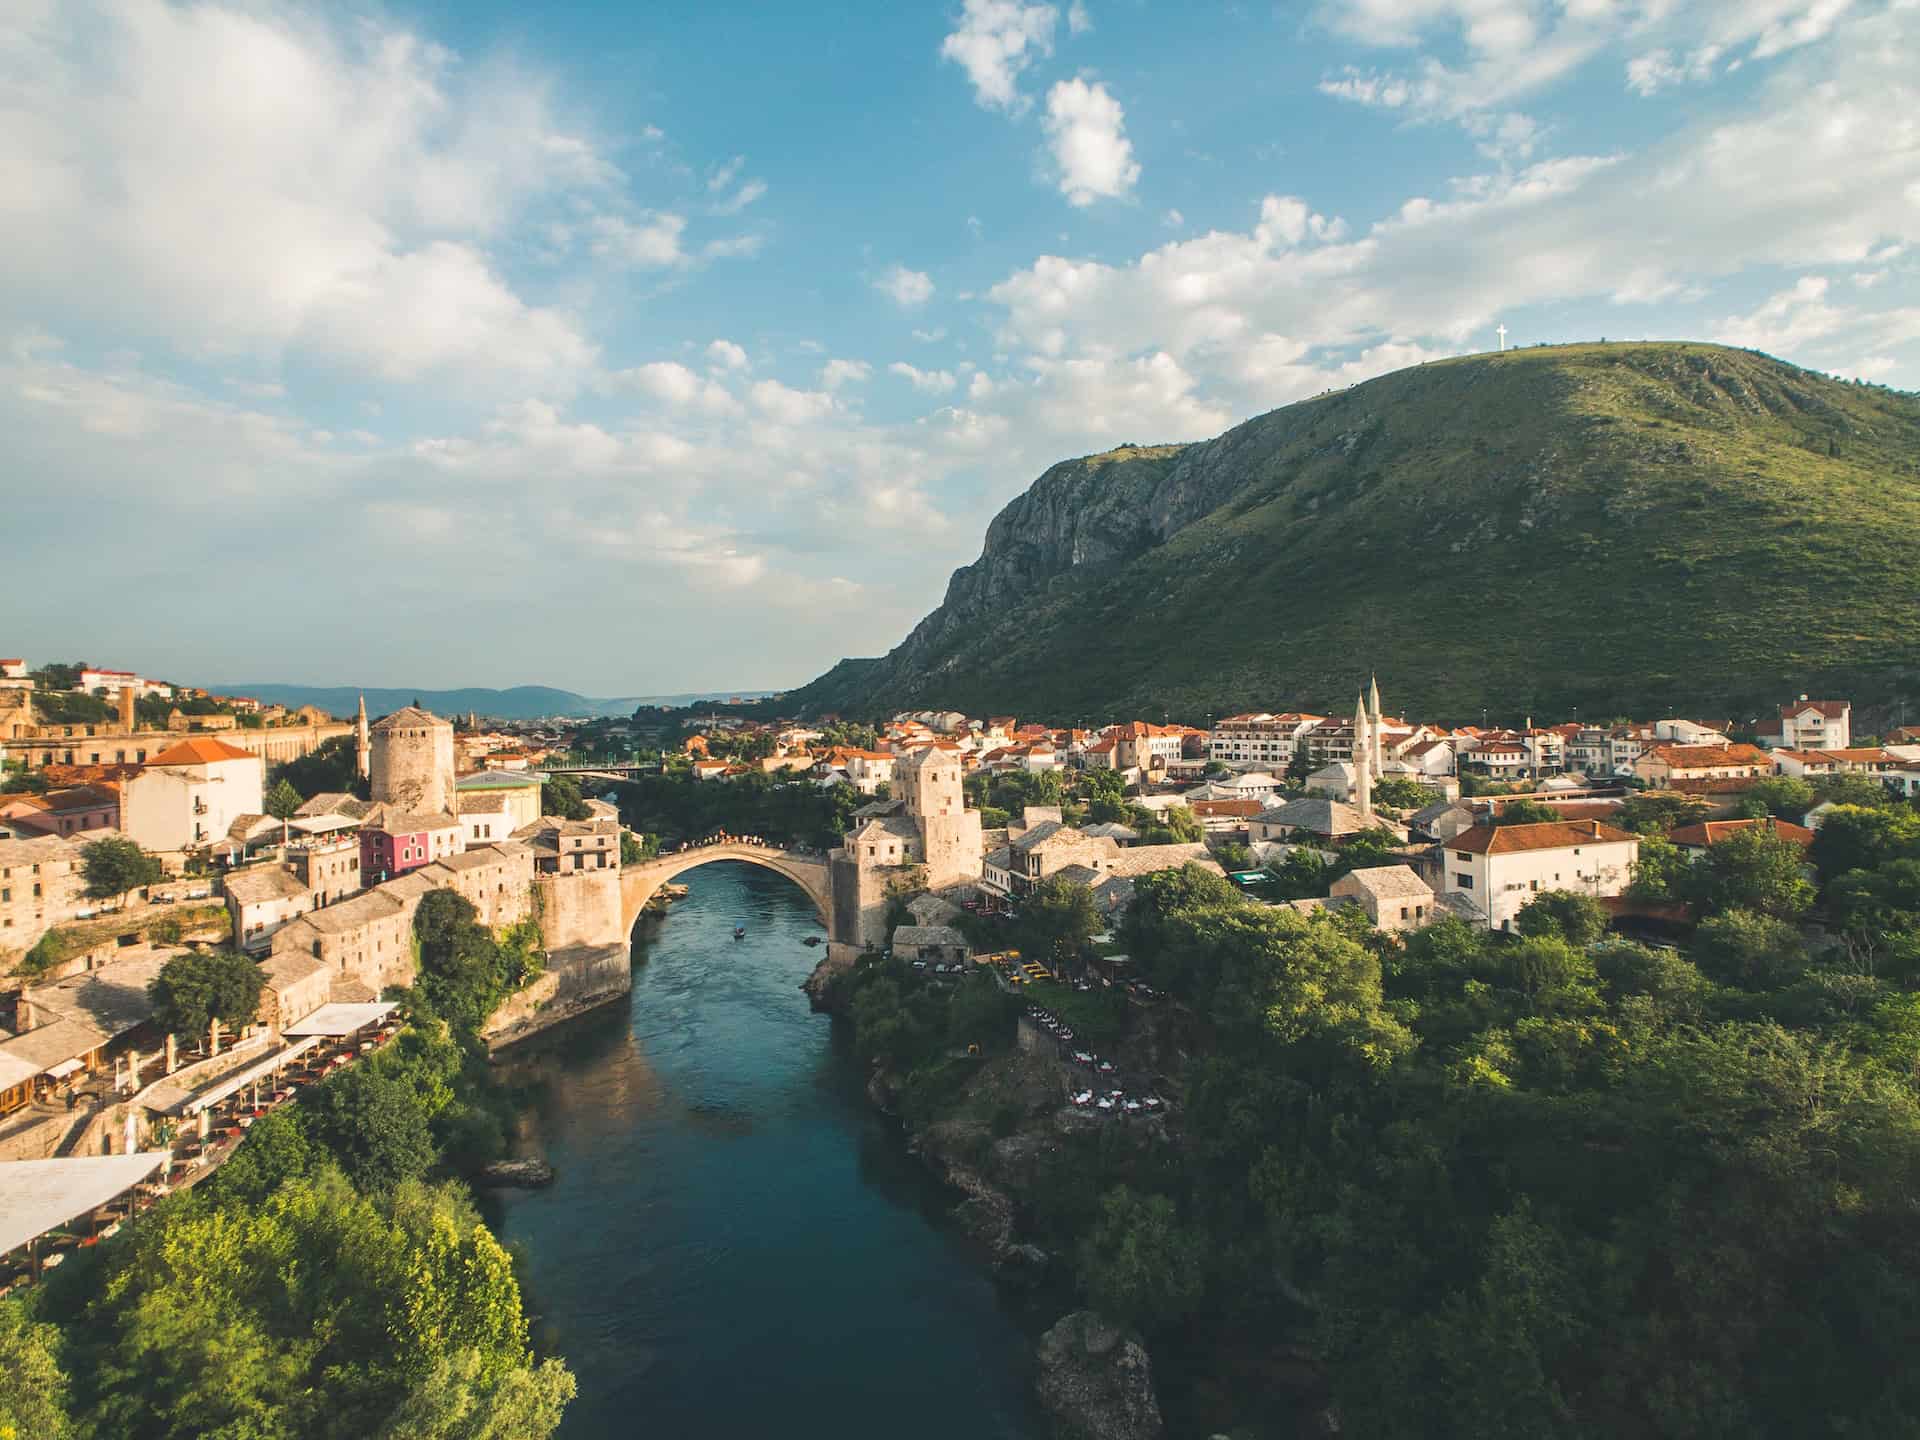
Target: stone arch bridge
640	883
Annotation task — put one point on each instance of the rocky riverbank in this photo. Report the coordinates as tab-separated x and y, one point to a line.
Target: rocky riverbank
1008	1123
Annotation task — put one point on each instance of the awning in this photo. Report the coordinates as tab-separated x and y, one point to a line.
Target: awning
338	1019
64	1069
244	1077
39	1195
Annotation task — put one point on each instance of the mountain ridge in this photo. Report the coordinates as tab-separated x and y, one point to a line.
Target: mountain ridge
1663	525
518	702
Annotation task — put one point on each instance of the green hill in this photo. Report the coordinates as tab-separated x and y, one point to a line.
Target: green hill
1590	529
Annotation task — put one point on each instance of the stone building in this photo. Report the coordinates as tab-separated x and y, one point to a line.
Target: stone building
926	839
190	794
411	762
40	887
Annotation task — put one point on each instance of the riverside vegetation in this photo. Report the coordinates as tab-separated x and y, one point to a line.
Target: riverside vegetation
1551	1184
1463	525
333	1278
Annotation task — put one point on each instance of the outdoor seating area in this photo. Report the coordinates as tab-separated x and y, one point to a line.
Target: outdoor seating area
1099	1087
51	1208
1011	970
45	1214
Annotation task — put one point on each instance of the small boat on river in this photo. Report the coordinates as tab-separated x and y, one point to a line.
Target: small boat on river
739	932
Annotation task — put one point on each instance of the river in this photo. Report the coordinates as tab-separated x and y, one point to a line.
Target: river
736	1245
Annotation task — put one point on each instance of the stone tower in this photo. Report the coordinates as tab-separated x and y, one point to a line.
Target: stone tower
362	757
412	761
936	802
127	723
1377	752
1362	760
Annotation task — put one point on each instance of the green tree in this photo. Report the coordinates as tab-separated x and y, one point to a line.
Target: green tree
561	796
1851	790
23	782
463	973
1402	792
330	769
196	990
1140	1265
1784	797
283	802
1855	837
1567	915
1299	768
637	849
1059	919
1655	812
1748	949
116	865
1525	812
1752	869
1660	873
373	1125
33	1389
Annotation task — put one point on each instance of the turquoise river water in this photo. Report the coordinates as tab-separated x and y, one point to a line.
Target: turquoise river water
736	1245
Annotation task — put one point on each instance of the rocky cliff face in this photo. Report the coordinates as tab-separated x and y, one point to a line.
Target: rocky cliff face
1095	1381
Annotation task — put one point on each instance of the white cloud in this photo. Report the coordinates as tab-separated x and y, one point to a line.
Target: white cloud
1174	220
741	198
1294	303
836	373
651	242
725	355
787	406
931	337
995	41
1079	22
1515	48
927	382
1086	129
675	385
734	247
906	288
237	178
723	175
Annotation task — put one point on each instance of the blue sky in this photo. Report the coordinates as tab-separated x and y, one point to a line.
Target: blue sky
638	349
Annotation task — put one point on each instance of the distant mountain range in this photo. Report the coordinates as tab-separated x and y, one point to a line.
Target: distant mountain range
522	702
1583	530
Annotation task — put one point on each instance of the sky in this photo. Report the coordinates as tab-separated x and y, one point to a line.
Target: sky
639	349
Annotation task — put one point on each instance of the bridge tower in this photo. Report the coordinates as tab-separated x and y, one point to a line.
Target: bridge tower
936	802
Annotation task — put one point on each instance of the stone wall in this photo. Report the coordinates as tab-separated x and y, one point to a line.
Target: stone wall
577	980
580	908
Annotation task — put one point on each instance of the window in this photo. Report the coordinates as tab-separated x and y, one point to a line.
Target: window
1463	855
1463	880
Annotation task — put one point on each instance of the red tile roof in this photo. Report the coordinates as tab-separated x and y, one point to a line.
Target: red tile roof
200	750
1547	835
1712	832
1708	757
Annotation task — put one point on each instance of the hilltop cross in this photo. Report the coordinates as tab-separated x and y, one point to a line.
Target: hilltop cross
1502	333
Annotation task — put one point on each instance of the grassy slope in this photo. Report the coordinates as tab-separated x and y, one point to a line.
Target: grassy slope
1614	527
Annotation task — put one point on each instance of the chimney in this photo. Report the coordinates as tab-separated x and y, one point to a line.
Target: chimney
126	710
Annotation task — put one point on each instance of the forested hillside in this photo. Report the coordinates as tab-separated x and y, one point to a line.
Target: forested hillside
1614	527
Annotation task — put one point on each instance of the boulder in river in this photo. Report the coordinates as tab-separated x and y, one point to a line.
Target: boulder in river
1094	1379
521	1174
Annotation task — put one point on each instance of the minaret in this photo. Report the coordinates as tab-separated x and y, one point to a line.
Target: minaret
362	746
1378	751
1362	770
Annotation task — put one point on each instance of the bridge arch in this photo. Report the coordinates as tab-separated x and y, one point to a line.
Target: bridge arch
640	883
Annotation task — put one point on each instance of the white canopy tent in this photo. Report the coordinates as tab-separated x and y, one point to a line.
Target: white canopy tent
40	1195
240	1079
337	1019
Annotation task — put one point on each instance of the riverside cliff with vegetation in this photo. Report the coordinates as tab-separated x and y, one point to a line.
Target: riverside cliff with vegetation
1550	1184
1616	527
